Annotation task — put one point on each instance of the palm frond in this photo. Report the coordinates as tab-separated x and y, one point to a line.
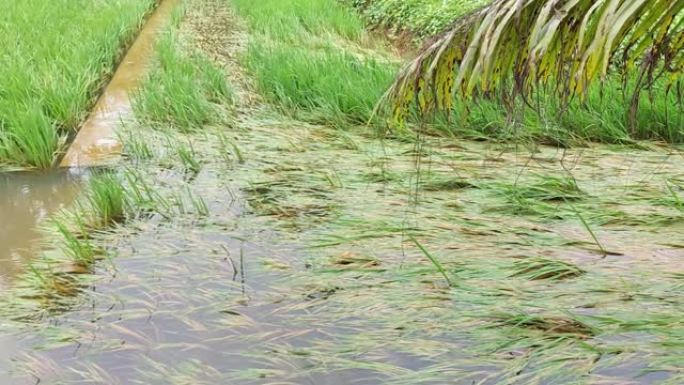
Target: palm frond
514	47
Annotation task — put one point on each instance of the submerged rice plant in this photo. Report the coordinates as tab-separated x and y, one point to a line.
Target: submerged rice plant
537	268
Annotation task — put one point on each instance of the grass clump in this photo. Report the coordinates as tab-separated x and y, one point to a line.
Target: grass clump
420	17
78	248
297	20
537	268
673	197
107	201
549	188
189	159
602	117
549	325
183	90
54	58
541	198
546	189
308	57
325	86
447	184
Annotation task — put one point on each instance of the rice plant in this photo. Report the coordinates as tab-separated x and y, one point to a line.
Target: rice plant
297	20
228	149
136	146
324	86
423	18
537	268
78	248
544	197
189	159
184	90
106	201
673	197
305	59
54	58
198	203
438	265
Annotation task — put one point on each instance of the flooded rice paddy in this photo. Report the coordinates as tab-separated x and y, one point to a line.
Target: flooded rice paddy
28	199
291	253
302	271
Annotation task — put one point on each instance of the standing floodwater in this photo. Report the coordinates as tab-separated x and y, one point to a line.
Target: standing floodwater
27	199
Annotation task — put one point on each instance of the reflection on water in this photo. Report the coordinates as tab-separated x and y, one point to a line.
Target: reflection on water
7	349
26	200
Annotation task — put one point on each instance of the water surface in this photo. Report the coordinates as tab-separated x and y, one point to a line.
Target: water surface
26	200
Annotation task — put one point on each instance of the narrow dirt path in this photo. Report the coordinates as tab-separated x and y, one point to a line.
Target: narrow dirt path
303	270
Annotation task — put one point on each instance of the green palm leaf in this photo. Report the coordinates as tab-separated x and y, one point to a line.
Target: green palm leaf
513	47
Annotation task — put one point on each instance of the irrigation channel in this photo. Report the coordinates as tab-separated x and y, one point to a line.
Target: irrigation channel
274	250
30	198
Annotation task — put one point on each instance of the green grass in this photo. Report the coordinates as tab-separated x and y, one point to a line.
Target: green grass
546	189
602	117
307	57
111	199
438	265
228	149
324	86
420	17
673	197
297	20
80	250
541	198
183	90
188	158
107	201
54	57
537	268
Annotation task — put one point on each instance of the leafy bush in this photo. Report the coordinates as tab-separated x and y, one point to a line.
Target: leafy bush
421	17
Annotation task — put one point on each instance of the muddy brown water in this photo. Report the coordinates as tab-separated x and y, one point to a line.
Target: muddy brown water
189	307
27	199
